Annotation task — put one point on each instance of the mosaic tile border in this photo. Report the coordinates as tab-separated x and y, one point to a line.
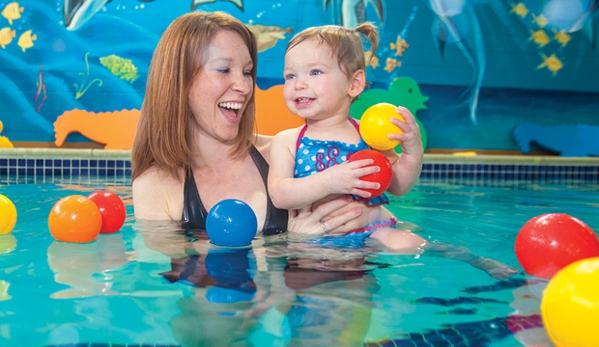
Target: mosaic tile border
43	164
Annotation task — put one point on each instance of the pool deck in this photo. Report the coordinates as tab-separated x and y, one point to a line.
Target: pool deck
99	154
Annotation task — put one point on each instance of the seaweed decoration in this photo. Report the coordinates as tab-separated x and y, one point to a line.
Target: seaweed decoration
120	67
83	87
41	89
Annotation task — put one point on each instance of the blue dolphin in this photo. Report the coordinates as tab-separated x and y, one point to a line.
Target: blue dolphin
78	12
353	12
456	22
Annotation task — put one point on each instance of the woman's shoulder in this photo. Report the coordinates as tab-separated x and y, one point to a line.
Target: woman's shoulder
156	194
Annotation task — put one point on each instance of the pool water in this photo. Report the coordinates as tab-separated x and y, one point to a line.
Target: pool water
152	285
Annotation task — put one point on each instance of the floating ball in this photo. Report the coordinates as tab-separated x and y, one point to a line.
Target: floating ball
75	219
570	305
549	242
112	209
383	177
231	223
8	215
375	125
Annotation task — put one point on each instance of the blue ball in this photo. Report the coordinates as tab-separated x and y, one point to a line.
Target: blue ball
231	223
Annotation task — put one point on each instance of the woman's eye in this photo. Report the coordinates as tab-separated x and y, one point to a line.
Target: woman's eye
224	70
247	73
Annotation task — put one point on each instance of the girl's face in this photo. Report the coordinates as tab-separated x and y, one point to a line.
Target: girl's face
315	87
221	90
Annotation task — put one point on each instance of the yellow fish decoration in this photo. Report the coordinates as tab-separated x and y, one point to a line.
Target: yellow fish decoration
399	46
370	60
519	9
12	11
552	63
562	37
391	64
6	35
539	37
26	40
540	20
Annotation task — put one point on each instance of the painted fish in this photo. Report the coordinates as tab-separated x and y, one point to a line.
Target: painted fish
26	40
12	11
552	63
78	12
268	35
520	10
6	35
391	64
562	37
372	61
399	46
539	37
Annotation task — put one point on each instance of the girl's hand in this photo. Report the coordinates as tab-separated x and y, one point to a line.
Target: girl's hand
346	178
317	221
411	140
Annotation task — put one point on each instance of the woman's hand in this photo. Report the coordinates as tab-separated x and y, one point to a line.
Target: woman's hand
322	219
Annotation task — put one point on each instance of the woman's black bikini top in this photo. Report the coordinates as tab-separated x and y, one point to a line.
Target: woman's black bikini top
194	212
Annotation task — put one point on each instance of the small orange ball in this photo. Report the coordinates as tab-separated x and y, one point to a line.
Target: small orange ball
75	219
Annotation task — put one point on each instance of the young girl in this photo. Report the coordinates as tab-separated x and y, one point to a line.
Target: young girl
325	70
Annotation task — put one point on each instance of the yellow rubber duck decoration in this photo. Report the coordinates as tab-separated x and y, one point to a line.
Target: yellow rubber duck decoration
4	141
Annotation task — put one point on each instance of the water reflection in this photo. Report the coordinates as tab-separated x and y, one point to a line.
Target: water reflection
86	268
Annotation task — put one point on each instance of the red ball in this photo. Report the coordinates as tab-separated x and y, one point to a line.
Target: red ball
549	242
383	177
112	209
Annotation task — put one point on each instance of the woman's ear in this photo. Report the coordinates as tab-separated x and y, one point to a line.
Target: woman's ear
358	83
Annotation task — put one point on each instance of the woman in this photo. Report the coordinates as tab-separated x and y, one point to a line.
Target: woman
196	135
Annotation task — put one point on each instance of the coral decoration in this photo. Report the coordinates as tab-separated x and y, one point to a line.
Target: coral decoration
113	129
272	115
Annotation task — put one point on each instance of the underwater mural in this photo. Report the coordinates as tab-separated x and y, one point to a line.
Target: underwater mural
474	70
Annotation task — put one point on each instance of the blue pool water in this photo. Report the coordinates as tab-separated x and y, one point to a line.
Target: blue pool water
149	285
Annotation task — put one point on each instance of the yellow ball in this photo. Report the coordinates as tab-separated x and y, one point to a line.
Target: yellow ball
8	215
570	305
375	125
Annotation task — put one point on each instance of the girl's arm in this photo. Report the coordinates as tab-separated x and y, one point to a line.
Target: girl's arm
408	165
293	193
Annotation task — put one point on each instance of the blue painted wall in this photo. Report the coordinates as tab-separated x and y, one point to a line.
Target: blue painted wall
486	66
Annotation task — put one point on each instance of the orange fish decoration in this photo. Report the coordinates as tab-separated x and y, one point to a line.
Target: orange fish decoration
371	60
399	46
392	64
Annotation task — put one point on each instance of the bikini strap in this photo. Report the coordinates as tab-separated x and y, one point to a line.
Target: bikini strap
299	137
355	123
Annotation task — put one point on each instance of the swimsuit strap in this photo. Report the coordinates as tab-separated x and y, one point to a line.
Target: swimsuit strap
303	131
299	137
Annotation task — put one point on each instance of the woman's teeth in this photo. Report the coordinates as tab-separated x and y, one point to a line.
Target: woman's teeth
230	105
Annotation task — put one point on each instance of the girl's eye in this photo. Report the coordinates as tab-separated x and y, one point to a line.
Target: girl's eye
315	72
289	76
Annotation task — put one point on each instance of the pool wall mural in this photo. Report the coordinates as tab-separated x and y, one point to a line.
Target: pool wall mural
488	75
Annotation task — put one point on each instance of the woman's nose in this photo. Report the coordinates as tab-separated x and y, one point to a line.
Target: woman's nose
243	84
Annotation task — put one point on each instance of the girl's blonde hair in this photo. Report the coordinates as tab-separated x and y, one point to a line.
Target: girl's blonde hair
164	134
346	44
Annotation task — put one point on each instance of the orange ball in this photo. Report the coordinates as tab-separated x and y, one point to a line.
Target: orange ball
75	219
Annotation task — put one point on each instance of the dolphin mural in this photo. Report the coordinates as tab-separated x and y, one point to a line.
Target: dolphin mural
353	12
78	12
457	22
